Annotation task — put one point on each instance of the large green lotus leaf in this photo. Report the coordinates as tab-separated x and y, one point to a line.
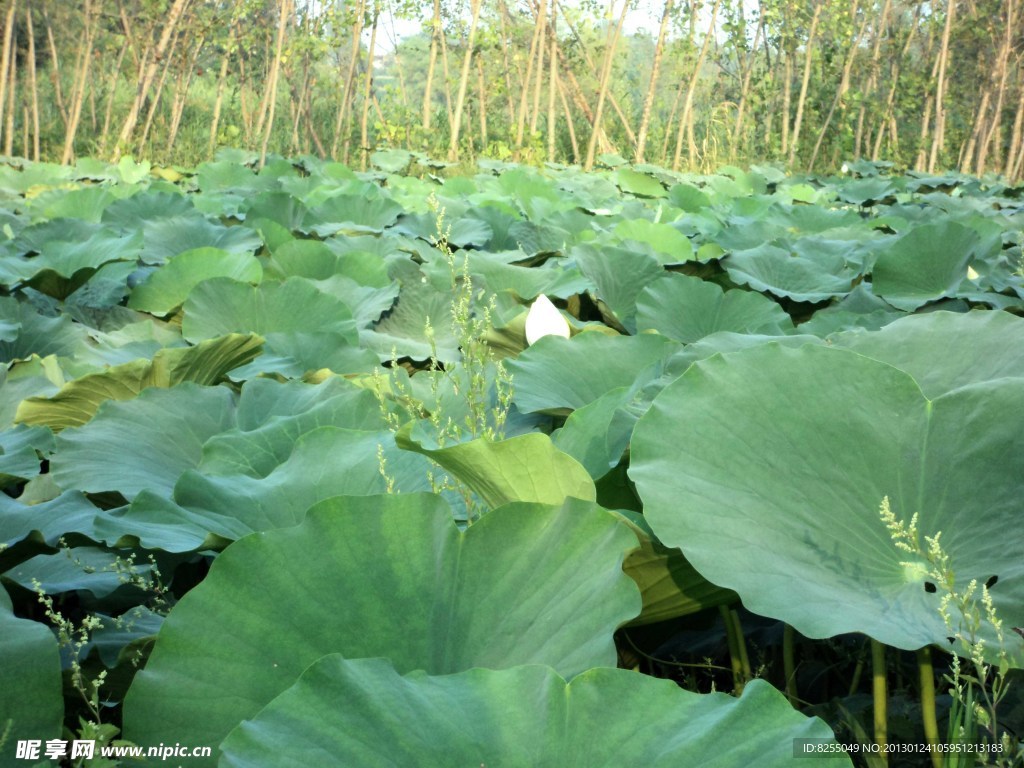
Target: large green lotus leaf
726	341
557	373
97	298
670	245
767	467
222	305
147	205
669	586
524	468
366	211
279	207
402	330
687	309
271	417
537	197
367	303
70	512
463	232
639	184
82	569
10	319
597	434
325	462
86	203
927	263
19	452
169	286
153	522
618	276
303	258
32	706
170	235
391	160
864	191
35	377
16	179
688	197
362	712
67	245
778	272
67	253
144	443
294	354
405	583
359	279
525	282
77	401
946	350
24	332
533	238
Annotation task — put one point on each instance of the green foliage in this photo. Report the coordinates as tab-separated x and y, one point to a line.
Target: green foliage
292	386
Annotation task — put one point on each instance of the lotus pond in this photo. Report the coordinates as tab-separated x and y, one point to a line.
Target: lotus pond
283	477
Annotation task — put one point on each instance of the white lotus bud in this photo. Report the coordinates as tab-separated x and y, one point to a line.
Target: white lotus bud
544	320
971	274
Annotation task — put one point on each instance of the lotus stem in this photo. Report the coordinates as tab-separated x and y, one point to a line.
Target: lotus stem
734	653
878	689
741	643
931	723
858	673
789	662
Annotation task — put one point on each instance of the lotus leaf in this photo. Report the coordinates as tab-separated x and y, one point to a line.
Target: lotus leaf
449	601
33	703
364	713
767	467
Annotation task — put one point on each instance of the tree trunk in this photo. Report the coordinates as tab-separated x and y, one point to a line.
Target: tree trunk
505	44
7	57
844	84
569	124
124	138
1015	157
33	85
12	85
939	134
58	95
524	96
541	45
467	60
894	79
745	86
481	84
428	90
108	112
606	71
659	51
181	97
552	88
1002	73
364	127
81	83
686	119
275	69
341	123
808	58
874	69
614	102
157	94
222	78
